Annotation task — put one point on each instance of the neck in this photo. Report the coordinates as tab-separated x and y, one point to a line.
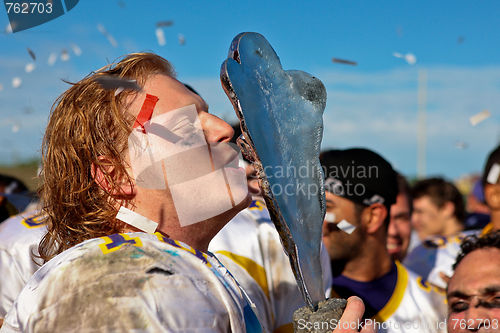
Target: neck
495	219
373	262
452	227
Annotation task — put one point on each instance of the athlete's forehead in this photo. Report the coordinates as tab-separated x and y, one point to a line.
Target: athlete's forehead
171	94
477	271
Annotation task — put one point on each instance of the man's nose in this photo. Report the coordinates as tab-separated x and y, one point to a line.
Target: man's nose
476	316
392	229
216	129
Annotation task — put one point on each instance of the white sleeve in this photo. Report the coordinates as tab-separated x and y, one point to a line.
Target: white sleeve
11	283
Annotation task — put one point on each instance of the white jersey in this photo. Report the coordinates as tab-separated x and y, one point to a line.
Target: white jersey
414	307
134	282
19	239
251	241
436	255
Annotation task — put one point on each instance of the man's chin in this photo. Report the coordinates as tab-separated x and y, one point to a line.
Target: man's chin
229	214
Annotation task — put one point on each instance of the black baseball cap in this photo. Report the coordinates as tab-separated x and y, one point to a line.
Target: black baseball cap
360	175
491	173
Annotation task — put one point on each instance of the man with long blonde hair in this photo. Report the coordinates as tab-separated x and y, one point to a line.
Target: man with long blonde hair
129	149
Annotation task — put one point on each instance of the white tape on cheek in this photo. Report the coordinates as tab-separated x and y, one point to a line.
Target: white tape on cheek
493	174
330	217
346	227
136	220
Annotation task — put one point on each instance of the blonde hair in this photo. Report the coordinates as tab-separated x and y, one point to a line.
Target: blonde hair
88	122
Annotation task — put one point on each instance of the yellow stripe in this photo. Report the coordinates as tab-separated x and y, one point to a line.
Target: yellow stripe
487	229
287	328
256	271
397	296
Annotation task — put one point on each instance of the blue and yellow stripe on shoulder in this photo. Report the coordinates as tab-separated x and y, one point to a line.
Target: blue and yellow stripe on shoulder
34	221
116	241
257	205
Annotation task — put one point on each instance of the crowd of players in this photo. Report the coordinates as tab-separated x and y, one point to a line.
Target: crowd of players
413	254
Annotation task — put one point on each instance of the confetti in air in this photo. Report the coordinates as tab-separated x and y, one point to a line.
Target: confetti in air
410	58
160	36
76	50
461	145
182	39
110	82
343	61
32	54
52	59
399	31
106	34
479	117
29	67
15	128
64	55
164	23
16	82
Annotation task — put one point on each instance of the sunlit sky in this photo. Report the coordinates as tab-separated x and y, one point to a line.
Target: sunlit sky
373	104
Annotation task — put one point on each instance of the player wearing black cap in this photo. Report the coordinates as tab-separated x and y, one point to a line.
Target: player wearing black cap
360	188
491	185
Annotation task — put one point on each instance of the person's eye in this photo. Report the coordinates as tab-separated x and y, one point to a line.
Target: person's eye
493	302
459	306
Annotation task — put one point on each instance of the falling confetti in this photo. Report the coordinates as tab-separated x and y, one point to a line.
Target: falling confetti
479	117
32	54
343	61
16	82
160	36
29	67
460	39
15	128
121	4
410	58
76	50
52	59
28	110
182	39
106	34
64	55
399	31
110	82
164	23
461	145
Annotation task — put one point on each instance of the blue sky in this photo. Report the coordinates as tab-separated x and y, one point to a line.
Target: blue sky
373	104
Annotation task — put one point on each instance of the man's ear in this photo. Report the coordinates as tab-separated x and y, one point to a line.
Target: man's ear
110	180
492	196
448	209
375	218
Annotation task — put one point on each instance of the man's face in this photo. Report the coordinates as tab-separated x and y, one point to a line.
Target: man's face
473	293
427	218
399	231
341	245
181	161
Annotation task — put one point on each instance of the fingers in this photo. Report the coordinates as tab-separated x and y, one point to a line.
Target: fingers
369	328
352	316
